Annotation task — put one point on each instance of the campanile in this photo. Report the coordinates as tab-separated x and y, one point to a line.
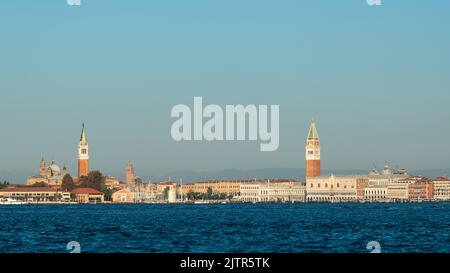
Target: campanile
312	152
83	155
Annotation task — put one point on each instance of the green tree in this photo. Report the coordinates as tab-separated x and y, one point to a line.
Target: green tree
209	192
67	183
190	195
83	182
108	193
94	180
40	184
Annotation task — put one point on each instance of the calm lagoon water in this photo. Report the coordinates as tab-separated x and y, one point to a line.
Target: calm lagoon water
286	228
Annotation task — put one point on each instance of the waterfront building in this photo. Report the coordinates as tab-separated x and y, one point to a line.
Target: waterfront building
35	194
413	187
375	193
186	188
227	187
250	192
272	192
420	190
441	188
123	196
312	152
335	188
283	193
398	191
83	155
142	192
87	195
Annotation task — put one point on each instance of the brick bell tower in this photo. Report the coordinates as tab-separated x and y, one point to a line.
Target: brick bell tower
83	155
129	175
312	152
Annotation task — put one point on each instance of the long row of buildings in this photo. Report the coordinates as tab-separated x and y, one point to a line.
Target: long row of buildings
344	188
386	187
376	186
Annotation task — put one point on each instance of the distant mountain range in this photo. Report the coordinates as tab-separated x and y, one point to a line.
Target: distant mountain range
263	173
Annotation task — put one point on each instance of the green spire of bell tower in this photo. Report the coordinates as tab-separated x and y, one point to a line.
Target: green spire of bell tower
83	135
313	131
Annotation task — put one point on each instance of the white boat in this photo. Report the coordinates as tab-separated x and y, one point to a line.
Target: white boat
10	201
201	202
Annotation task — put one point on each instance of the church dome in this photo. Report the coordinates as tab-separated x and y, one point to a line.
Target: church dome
387	170
55	168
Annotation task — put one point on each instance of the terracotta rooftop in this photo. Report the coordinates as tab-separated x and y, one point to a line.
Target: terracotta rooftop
29	189
86	191
167	183
442	178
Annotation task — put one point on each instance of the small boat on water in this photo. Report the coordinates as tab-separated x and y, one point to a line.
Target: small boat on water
201	202
10	201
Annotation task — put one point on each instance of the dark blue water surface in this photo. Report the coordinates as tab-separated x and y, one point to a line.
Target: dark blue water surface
419	227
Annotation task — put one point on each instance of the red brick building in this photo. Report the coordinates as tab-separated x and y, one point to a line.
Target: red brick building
420	190
361	184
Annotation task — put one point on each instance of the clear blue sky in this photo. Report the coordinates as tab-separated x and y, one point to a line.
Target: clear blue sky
376	78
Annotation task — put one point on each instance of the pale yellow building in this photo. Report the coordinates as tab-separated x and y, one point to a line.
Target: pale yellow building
272	192
35	194
228	187
441	188
123	196
375	193
398	191
138	194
